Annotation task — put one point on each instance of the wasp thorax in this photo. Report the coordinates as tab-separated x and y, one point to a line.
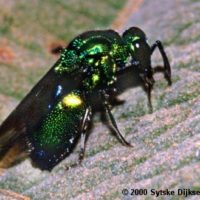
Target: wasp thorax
68	62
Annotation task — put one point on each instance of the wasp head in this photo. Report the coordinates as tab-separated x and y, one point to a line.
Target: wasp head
139	52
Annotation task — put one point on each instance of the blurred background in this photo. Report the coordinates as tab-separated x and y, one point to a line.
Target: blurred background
166	143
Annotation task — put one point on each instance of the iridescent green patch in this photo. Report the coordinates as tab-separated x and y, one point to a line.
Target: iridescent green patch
68	62
61	122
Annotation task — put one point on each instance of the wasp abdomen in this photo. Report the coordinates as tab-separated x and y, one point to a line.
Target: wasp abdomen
57	133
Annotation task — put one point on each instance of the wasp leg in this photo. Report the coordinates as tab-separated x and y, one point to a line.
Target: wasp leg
84	131
148	89
117	102
167	68
57	50
113	99
84	128
112	120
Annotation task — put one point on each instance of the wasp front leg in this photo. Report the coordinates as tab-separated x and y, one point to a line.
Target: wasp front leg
148	88
167	69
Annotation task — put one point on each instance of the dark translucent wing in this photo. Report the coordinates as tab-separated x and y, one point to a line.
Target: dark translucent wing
38	102
51	140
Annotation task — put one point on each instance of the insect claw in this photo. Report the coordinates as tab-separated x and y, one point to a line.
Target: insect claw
128	144
168	78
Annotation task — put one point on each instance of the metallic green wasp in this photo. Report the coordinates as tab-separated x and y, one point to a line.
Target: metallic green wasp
91	72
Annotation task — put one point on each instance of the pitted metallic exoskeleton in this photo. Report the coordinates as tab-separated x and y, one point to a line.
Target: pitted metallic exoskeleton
91	72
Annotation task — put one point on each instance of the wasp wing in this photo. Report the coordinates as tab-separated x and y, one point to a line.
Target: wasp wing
38	102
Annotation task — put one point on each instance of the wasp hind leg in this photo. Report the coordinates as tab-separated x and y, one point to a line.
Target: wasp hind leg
112	125
167	69
57	50
84	130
